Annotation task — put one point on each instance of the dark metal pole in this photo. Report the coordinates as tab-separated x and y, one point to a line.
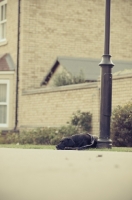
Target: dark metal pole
106	64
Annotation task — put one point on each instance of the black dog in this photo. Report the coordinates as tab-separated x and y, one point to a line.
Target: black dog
78	142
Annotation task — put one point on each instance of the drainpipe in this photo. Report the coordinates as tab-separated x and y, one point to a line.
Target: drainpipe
17	71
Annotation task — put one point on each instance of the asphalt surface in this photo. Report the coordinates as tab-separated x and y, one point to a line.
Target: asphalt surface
37	174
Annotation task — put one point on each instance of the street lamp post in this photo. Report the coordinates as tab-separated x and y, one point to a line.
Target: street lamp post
106	64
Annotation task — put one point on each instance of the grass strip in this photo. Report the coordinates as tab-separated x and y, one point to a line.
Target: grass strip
52	147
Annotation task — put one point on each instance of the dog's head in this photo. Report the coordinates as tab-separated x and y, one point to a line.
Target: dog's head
66	142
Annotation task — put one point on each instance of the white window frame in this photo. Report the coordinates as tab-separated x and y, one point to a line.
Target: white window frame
6	103
3	21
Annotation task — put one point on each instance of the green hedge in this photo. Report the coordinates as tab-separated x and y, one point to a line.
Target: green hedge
121	126
38	136
79	122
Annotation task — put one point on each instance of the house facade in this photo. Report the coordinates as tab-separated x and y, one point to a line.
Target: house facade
33	34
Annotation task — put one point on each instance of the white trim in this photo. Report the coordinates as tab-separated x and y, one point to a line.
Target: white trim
6	72
3	42
6	103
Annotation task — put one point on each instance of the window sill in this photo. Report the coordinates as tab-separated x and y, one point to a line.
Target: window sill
3	42
3	126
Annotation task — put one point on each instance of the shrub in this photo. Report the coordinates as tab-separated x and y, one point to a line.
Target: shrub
121	126
82	120
68	130
65	78
9	138
37	136
26	137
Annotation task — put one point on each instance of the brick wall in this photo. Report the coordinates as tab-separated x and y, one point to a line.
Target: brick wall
69	28
121	29
122	90
63	28
54	106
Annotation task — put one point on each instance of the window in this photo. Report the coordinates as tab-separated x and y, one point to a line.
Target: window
4	102
3	20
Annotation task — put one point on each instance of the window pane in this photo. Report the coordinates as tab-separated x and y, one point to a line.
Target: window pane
5	12
3	111
3	89
2	30
2	11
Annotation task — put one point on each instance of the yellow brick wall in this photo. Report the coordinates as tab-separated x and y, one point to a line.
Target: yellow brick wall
54	107
122	90
121	29
70	28
64	28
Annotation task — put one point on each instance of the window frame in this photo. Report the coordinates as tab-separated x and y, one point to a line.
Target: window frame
7	82
3	22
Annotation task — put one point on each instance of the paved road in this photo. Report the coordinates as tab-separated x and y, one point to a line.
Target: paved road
64	175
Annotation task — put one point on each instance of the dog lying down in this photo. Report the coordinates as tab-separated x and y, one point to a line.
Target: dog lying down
78	142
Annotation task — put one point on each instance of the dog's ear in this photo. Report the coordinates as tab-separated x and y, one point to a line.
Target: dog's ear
70	142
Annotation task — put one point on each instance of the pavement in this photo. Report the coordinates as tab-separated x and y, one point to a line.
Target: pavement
37	174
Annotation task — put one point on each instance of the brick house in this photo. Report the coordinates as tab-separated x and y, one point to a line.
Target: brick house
33	34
